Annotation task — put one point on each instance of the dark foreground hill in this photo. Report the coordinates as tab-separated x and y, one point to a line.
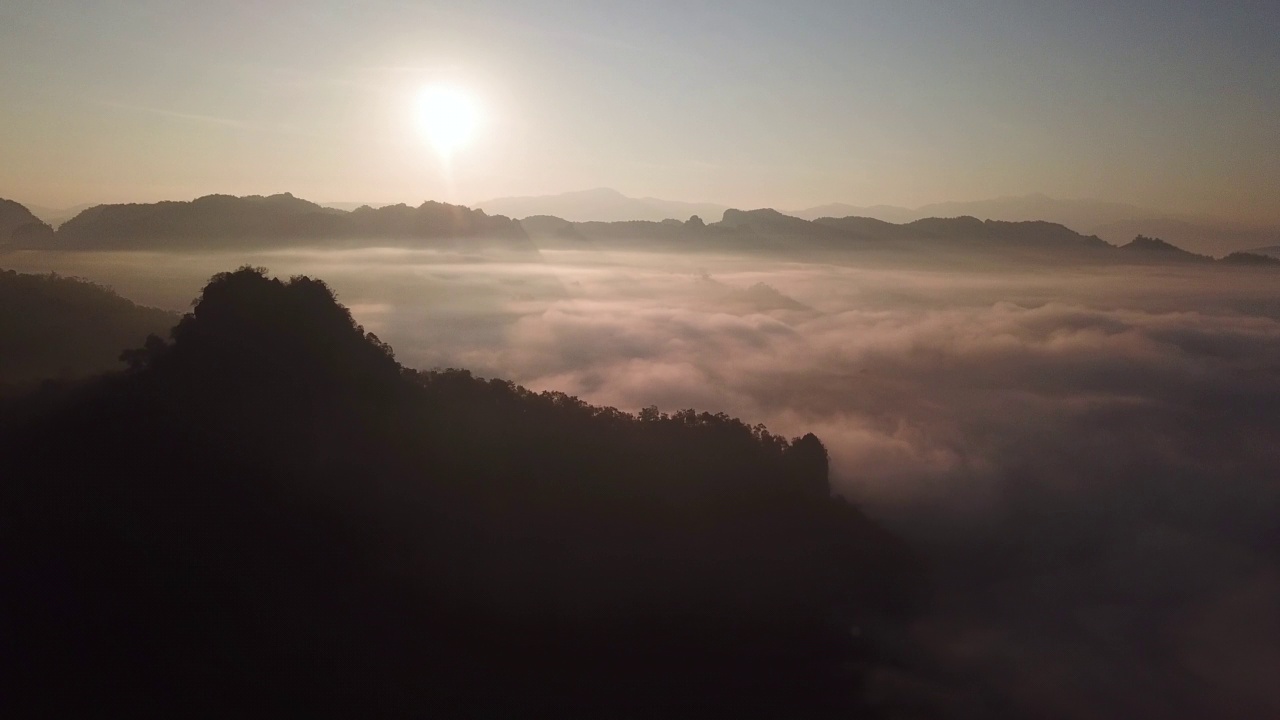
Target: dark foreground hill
267	514
53	326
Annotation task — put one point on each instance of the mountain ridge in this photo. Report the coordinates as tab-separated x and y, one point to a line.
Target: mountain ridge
19	226
215	221
1114	222
1117	223
599	205
283	220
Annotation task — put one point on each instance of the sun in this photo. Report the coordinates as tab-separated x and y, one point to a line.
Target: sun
447	117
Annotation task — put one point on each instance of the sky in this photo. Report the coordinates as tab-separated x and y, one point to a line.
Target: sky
1172	105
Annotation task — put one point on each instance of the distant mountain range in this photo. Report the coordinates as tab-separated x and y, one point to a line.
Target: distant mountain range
1116	223
780	234
1079	215
225	221
219	222
1203	236
601	205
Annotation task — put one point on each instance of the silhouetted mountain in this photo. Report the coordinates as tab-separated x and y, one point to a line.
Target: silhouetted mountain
941	233
220	221
1114	222
1206	237
436	222
217	221
769	221
884	213
866	228
1155	248
777	234
1247	258
56	216
599	205
58	327
1027	234
1270	251
549	232
1079	215
18	227
349	206
667	234
268	514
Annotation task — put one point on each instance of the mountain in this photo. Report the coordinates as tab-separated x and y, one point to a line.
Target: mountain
19	227
770	221
1204	236
967	229
775	232
58	327
884	213
1271	251
222	221
600	205
268	512
1079	215
1251	259
349	206
1116	223
1157	249
56	216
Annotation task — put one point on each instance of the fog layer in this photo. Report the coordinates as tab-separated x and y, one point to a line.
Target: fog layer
1089	457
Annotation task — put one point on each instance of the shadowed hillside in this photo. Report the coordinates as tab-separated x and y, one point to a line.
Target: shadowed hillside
19	227
268	513
58	327
1155	249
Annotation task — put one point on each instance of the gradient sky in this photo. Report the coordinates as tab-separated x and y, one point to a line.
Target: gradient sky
1170	104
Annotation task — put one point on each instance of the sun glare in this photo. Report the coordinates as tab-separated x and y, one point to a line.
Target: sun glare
447	117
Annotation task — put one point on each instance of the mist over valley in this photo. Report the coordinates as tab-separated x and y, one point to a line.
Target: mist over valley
1082	450
747	360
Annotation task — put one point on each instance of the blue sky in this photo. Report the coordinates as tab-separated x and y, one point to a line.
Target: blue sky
1174	105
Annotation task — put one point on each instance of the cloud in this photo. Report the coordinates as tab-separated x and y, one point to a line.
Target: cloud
1088	457
1092	463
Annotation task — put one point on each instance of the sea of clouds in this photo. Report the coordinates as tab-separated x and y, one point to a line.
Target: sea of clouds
1089	458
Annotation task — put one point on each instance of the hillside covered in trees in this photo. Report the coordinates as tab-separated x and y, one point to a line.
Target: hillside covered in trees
18	226
60	327
267	513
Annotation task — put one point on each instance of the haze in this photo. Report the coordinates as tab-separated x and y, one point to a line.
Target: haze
595	359
1087	456
1173	106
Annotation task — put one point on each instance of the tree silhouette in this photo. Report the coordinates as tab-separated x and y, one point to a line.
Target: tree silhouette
267	511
